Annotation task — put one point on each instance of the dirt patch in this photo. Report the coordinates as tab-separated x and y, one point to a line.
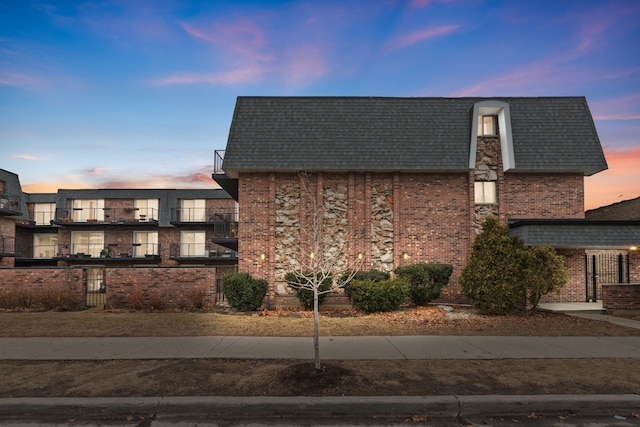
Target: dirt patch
225	377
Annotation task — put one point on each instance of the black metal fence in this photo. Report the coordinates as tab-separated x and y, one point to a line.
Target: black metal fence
604	268
96	287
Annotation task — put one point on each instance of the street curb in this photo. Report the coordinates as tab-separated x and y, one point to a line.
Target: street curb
320	407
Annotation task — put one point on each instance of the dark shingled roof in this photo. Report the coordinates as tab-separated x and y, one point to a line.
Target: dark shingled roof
554	134
581	234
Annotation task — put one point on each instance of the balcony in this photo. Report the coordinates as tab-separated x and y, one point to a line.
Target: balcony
202	216
228	184
111	253
201	252
10	204
106	216
7	246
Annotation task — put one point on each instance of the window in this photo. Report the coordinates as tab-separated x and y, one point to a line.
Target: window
485	192
85	209
146	209
87	242
487	125
45	245
44	213
145	243
192	210
192	243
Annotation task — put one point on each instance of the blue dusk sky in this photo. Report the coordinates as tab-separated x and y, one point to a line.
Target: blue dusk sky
139	93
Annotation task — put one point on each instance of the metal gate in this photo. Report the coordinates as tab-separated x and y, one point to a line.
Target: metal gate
606	267
95	287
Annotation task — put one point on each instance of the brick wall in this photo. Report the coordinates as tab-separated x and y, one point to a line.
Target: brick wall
621	296
169	286
574	290
541	196
63	281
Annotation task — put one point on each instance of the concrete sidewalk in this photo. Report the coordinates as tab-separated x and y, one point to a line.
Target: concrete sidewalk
339	347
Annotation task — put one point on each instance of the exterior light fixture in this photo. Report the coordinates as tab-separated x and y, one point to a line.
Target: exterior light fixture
360	255
312	255
405	255
633	248
263	256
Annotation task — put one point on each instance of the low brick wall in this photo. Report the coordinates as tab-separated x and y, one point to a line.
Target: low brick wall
161	287
621	296
39	283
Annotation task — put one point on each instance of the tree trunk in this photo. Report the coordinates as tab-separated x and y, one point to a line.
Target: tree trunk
316	330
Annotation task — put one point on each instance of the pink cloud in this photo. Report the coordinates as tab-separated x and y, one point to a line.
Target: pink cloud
25	157
623	108
510	82
21	80
239	38
304	63
420	35
251	74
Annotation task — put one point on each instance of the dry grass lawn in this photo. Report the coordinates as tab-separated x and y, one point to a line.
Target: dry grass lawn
227	377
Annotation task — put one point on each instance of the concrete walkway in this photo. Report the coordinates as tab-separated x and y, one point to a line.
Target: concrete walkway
361	347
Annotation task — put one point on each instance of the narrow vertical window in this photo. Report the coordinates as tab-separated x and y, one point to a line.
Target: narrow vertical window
485	192
487	125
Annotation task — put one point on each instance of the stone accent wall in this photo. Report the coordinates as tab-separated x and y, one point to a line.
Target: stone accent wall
488	168
287	238
621	296
382	226
173	286
63	281
7	229
335	224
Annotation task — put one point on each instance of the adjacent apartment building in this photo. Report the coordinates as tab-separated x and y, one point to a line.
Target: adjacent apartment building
406	180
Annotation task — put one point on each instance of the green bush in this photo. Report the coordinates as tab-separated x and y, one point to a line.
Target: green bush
493	276
502	271
305	295
373	275
372	296
425	280
545	273
243	292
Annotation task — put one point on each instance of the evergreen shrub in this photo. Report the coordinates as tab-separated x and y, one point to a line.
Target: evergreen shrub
373	296
243	292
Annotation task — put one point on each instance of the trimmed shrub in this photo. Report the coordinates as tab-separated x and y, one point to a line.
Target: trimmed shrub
305	295
243	292
425	280
373	296
545	273
373	275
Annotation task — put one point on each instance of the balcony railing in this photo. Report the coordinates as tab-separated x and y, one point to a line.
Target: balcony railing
10	204
7	245
199	250
203	215
43	217
110	251
218	159
106	216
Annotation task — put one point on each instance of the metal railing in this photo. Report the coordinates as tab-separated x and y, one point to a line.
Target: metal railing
106	215
199	250
206	215
10	202
7	245
43	217
218	159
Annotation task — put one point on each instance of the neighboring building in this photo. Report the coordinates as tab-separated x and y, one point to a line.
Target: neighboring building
122	228
412	178
12	206
625	210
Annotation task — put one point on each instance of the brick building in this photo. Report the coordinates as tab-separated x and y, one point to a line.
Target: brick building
115	229
406	180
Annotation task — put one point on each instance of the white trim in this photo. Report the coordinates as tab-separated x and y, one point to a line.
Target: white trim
501	109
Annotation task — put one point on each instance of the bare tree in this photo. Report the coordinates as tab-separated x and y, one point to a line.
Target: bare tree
322	256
